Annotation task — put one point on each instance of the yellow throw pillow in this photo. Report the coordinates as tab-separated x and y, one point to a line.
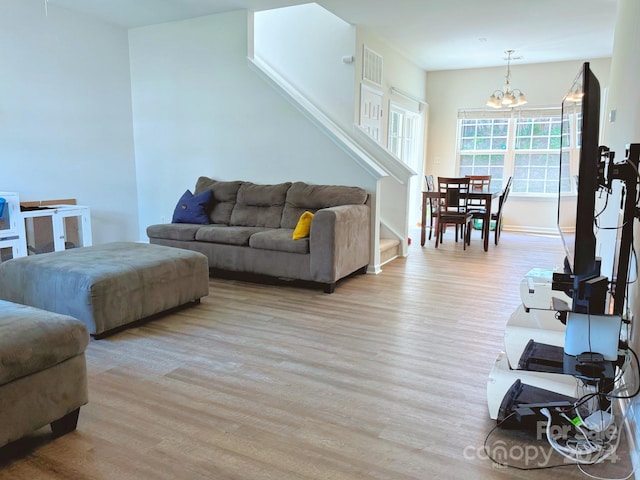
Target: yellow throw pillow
303	227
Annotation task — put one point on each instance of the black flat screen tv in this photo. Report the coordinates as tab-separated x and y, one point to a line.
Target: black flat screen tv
582	102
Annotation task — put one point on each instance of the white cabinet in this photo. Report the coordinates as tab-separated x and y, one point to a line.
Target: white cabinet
12	233
57	227
42	228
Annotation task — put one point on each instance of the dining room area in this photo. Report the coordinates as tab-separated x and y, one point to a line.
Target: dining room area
453	207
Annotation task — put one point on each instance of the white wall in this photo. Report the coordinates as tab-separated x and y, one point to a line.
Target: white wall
450	91
65	114
398	72
199	110
305	44
403	74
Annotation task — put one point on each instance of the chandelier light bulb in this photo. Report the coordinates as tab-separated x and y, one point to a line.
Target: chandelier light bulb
507	97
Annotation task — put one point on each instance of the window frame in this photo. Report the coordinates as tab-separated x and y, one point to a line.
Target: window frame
406	138
483	152
510	152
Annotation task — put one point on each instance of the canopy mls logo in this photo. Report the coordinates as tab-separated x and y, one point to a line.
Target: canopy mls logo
502	455
589	447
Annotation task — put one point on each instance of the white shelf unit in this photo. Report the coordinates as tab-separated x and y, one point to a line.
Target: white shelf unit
12	233
57	227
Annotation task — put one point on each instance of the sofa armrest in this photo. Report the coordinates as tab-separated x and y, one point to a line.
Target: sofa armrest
339	241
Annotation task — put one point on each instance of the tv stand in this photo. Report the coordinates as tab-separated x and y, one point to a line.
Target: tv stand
590	367
566	329
541	357
545	352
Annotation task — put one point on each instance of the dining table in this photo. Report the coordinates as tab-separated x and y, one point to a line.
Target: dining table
486	195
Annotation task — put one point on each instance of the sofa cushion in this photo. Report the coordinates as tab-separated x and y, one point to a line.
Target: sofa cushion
32	340
193	208
231	235
224	198
259	205
173	231
279	239
302	196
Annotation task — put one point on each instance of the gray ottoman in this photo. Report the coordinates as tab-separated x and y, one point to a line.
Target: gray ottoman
107	286
43	373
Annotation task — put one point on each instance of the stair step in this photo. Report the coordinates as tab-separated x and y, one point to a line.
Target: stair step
389	249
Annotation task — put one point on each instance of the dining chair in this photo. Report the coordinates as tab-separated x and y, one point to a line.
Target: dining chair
497	216
453	209
478	207
432	203
479	181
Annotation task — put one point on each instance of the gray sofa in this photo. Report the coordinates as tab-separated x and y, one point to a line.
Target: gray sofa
251	227
43	373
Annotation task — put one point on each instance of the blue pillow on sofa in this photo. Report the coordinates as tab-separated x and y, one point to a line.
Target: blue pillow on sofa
193	208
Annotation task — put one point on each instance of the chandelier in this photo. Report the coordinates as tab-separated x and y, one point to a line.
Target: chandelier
507	97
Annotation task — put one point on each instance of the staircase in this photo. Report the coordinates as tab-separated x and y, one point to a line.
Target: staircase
328	101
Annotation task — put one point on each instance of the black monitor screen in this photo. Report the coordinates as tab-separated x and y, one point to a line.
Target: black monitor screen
578	186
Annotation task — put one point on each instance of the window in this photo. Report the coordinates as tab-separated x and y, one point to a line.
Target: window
403	133
395	133
569	143
536	164
482	147
524	144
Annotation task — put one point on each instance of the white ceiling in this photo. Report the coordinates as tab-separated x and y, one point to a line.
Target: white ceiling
435	34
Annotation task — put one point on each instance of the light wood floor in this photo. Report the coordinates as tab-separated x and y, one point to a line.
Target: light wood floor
384	379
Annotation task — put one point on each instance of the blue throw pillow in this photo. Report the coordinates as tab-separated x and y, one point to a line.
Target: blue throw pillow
193	208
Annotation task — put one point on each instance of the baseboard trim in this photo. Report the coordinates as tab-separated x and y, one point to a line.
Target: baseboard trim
531	230
374	269
389	260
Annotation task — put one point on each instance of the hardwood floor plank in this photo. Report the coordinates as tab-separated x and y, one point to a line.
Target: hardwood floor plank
383	379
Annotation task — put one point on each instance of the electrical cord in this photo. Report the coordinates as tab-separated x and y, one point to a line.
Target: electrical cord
617	227
595	217
637	390
580	450
605	478
621	371
585	398
517	467
635	262
595	477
